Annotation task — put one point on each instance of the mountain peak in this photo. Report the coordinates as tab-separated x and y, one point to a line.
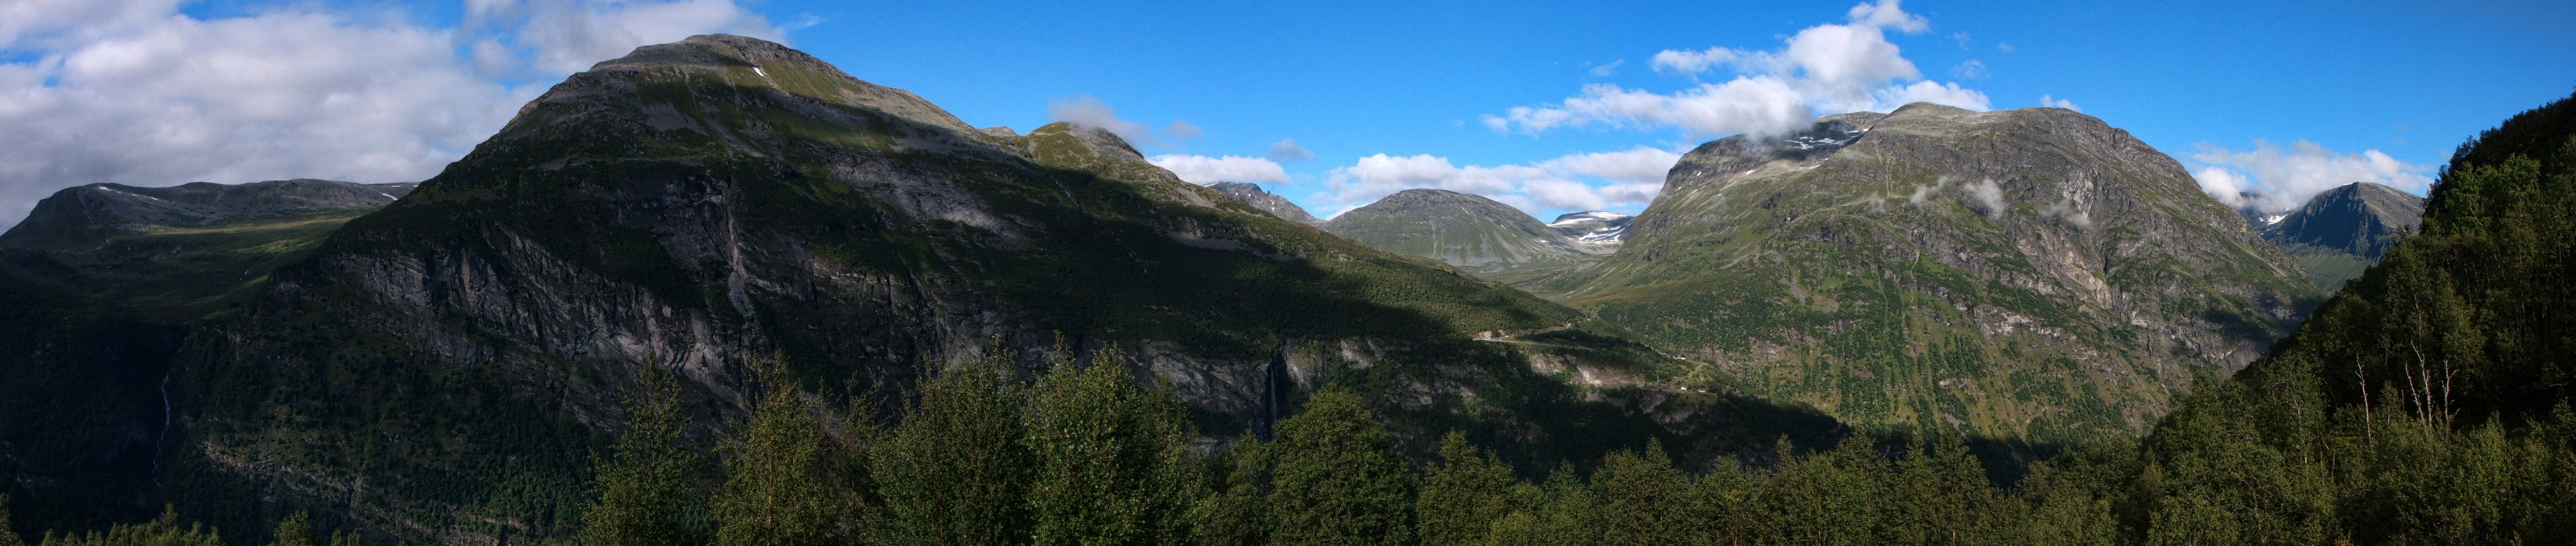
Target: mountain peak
1463	230
1252	194
2342	231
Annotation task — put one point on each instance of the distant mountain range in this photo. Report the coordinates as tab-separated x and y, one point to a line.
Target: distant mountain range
2345	230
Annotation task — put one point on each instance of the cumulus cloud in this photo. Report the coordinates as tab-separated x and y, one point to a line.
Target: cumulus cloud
1962	37
1611	69
1288	150
2271	179
567	36
1744	105
1588	181
1199	169
2052	102
1841	67
138	93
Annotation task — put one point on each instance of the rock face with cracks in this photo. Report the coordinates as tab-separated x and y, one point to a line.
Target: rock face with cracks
2032	274
441	368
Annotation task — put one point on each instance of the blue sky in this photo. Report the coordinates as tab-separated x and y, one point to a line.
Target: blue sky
2280	99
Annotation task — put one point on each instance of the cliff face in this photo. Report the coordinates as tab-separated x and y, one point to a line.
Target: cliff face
2029	273
716	203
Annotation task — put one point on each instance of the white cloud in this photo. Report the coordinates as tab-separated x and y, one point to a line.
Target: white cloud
1744	105
1199	169
1989	198
1962	37
1183	130
1288	150
2004	47
1936	93
1641	165
1694	62
138	93
2271	179
1971	70
1590	181
569	35
1611	69
2051	102
1835	67
1090	112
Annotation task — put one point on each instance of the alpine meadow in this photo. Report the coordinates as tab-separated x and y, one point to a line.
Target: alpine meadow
689	285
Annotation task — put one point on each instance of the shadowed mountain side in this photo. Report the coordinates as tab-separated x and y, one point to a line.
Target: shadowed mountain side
441	368
80	408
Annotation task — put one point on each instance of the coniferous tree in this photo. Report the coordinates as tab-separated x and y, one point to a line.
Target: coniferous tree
164	531
775	490
1464	495
1721	506
1822	498
295	530
1338	479
1645	500
644	490
1936	496
955	471
1237	512
1114	463
8	535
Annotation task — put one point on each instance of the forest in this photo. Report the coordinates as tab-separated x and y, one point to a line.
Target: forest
2428	402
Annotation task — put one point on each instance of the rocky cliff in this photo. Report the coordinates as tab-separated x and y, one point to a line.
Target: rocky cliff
2029	274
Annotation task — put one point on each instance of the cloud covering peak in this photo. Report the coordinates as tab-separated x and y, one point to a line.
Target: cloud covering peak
136	92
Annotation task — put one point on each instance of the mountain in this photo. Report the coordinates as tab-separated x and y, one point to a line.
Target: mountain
1251	194
181	251
443	369
2341	232
1466	231
1594	226
80	408
2032	274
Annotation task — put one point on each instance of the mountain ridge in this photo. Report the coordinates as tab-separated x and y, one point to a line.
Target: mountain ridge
2031	273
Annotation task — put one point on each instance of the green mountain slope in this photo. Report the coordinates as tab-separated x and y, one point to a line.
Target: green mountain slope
1466	231
441	369
2028	273
179	252
2341	232
2426	403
